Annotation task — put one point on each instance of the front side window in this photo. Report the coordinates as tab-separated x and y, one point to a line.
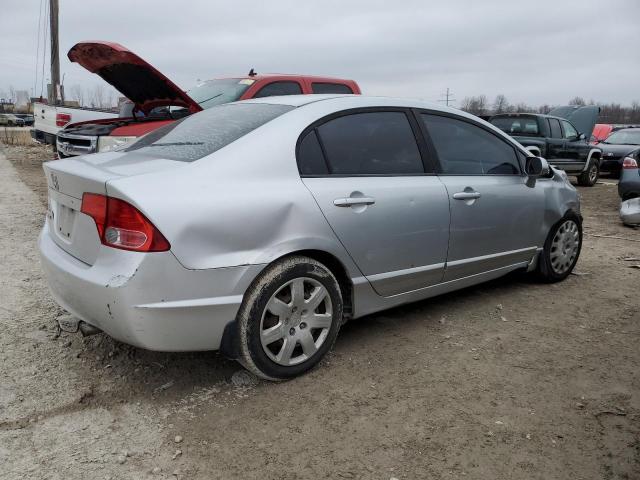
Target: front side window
279	88
569	131
554	125
203	133
322	87
466	149
371	143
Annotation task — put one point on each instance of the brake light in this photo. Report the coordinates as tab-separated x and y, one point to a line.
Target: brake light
629	162
121	225
62	119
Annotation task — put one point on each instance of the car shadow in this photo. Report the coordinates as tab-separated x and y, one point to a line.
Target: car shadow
124	373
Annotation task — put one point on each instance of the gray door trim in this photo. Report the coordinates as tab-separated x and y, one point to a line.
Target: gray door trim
392	283
469	266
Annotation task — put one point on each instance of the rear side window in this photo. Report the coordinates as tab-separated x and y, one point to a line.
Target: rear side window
554	125
310	158
330	88
279	88
372	143
466	149
205	132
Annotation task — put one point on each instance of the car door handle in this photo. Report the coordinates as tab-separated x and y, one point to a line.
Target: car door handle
466	195
350	201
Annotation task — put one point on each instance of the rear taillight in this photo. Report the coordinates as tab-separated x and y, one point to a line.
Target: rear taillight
121	225
62	119
629	162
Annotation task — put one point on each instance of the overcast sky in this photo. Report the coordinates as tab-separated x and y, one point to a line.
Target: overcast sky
543	51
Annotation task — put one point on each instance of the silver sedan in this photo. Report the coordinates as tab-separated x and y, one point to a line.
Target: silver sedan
259	227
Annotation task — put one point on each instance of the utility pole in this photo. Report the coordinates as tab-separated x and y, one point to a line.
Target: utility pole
55	96
448	98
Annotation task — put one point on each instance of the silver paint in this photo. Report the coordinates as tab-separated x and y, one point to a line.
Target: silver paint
231	213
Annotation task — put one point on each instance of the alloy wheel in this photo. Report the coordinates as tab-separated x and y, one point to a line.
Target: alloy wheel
296	321
564	247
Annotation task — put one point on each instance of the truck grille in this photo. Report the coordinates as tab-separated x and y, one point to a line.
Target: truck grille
70	145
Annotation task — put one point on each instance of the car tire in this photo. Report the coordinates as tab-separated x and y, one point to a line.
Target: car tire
591	175
281	331
561	249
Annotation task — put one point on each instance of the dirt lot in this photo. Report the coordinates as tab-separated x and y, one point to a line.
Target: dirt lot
509	380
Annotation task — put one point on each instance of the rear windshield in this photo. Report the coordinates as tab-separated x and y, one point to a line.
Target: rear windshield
624	137
517	125
205	132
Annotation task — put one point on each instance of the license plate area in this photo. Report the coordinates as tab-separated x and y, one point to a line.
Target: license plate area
62	212
65	220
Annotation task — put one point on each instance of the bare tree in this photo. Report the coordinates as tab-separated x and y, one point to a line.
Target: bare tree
77	94
544	109
577	101
522	107
500	104
475	105
12	94
109	99
97	96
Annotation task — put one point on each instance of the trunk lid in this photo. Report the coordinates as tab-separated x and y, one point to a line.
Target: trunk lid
132	76
583	118
68	179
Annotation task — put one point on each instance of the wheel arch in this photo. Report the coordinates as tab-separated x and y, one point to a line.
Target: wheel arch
594	153
229	345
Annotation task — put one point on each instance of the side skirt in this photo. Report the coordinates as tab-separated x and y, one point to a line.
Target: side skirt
367	301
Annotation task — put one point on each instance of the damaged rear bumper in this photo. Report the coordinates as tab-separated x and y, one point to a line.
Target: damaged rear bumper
147	299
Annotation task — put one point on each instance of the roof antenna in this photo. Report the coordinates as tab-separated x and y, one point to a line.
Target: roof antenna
252	73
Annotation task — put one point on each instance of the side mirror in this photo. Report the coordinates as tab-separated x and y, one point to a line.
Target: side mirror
537	167
581	136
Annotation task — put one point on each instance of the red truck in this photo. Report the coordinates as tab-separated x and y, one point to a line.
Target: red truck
157	101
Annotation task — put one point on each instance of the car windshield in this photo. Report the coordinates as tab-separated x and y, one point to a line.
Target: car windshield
198	135
624	137
216	92
517	125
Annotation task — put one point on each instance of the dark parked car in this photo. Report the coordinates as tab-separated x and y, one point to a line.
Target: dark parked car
617	147
629	185
562	138
27	118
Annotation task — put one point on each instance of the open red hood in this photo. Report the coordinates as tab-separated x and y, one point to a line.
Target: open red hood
130	75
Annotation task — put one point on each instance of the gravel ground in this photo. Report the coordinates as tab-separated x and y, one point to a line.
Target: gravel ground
511	379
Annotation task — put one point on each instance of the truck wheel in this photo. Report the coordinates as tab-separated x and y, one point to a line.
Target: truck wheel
561	249
289	319
591	175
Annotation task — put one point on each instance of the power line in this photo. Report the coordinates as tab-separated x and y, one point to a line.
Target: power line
448	98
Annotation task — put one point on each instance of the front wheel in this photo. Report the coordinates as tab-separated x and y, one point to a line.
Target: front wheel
289	319
590	176
561	249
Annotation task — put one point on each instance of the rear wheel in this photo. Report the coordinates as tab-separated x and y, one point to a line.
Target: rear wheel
289	319
590	176
561	249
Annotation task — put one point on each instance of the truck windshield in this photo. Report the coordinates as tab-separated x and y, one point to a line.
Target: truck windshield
517	125
216	92
624	137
